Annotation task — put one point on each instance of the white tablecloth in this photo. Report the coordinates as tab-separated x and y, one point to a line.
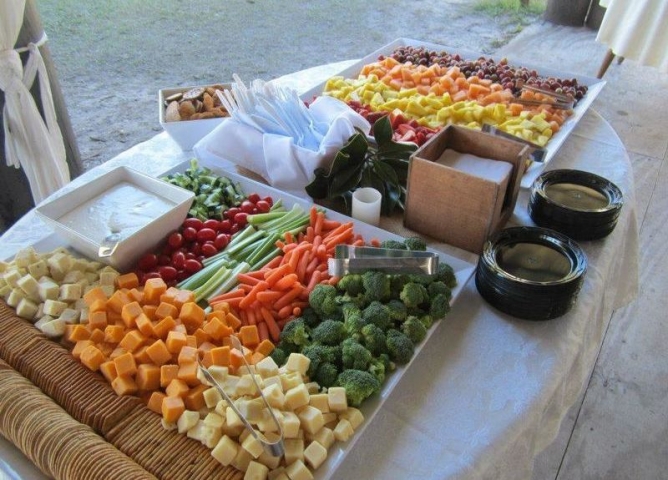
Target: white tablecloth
637	29
488	392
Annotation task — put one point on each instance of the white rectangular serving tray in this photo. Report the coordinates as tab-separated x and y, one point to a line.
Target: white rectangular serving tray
594	85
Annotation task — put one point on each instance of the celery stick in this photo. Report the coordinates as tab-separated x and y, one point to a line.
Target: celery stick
232	280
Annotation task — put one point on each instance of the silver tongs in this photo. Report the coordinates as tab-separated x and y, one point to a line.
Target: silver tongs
275	448
349	259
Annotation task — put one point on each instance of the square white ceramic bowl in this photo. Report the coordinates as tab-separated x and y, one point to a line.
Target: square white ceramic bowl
142	208
186	132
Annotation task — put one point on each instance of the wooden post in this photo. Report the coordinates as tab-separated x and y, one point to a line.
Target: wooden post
15	196
567	12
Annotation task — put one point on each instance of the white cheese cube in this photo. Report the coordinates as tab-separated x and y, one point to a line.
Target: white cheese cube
43	320
48	289
290	425
3	266
275	380
268	424
211	397
54	329
242	460
252	445
354	416
313	387
232	419
246	386
298	471
343	431
324	436
221	408
94	266
59	263
29	285
214	420
79	264
70	315
27	309
330	417
14	297
83	315
73	276
38	269
187	420
225	450
210	435
69	292
12	276
269	460
311	419
278	474
108	277
298	363
246	369
266	367
320	401
251	409
54	307
5	290
274	395
25	257
256	471
294	450
108	290
297	397
315	454
336	398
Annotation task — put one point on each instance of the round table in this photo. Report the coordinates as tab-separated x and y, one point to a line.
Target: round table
488	392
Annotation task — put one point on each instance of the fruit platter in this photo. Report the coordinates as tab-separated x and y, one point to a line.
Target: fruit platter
242	290
425	86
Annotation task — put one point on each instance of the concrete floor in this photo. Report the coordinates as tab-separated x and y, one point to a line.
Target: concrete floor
619	428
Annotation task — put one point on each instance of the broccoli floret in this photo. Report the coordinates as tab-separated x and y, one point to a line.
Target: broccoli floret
397	283
329	332
414	329
359	385
439	306
326	375
446	274
322	299
376	285
415	243
351	284
352	320
355	355
413	294
395	244
310	317
279	356
421	278
427	320
377	369
398	310
318	354
374	339
399	346
437	287
295	333
378	314
389	364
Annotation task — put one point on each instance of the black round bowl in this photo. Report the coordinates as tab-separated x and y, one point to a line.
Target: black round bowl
532	273
580	204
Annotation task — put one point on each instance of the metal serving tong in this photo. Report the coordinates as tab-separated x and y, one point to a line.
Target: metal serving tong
349	259
559	101
276	447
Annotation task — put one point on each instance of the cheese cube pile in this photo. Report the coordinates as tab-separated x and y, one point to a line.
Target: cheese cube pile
311	420
48	288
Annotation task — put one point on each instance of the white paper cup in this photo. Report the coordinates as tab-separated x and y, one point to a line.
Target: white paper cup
366	205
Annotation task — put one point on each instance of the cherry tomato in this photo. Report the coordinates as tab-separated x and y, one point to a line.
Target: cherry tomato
195	249
167	272
190	256
178	260
164	259
192	266
262	206
235	228
181	275
231	212
206	234
193	222
247	206
221	241
209	249
253	197
212	223
148	262
241	219
190	234
175	240
269	200
224	226
150	275
166	249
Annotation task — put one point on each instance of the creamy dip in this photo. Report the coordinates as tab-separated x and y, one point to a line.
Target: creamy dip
123	209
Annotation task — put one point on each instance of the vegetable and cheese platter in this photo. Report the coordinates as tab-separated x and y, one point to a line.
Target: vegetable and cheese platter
125	355
426	86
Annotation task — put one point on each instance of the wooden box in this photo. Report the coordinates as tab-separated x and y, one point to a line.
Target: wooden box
458	207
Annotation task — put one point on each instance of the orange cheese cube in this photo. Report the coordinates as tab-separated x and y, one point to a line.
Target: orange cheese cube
201	337
162	328
155	402
78	332
148	377
220	356
124	386
127	281
166	310
108	370
114	333
144	325
176	341
117	301
136	295
177	388
192	316
188	355
97	319
132	340
216	328
265	347
125	365
194	400
158	353
129	312
233	321
92	357
149	311
167	374
79	347
97	336
188	373
249	336
153	289
172	408
142	356
222	307
95	293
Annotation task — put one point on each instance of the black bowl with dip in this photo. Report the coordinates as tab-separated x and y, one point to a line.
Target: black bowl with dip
531	273
580	204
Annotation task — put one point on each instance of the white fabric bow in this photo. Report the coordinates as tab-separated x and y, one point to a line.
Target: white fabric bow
30	143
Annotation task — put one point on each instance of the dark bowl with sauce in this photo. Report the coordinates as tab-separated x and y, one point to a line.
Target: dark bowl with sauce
531	273
580	204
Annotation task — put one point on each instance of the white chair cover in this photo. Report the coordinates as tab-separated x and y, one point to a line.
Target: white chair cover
30	142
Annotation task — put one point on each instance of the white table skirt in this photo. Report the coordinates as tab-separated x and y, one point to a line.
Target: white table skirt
488	392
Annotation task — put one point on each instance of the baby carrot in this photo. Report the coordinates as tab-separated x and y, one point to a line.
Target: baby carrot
286	282
252	295
272	326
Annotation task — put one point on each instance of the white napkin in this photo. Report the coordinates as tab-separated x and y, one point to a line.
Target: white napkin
276	158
